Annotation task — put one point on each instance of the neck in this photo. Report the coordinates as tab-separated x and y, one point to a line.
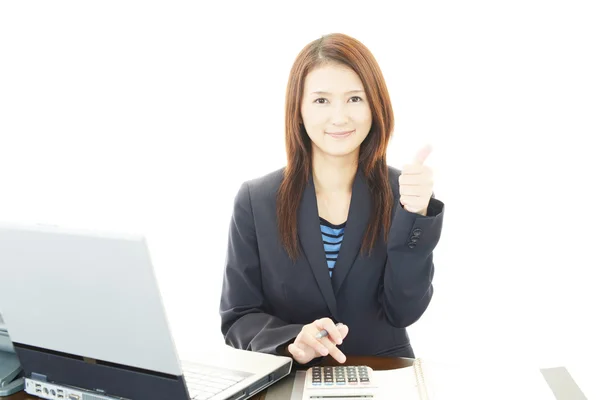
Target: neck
334	174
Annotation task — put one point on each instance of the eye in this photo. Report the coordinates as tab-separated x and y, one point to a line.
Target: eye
357	99
318	101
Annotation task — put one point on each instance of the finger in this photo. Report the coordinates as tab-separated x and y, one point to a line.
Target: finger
296	351
415	180
343	330
422	154
412	190
332	329
310	340
413	205
412	169
412	201
334	351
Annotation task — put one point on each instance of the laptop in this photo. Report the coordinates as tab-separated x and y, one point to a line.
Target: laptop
84	310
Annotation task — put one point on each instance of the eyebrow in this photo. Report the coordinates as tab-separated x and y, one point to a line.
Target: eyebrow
352	91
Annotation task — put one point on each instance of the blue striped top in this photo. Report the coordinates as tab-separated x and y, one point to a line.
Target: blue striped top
332	240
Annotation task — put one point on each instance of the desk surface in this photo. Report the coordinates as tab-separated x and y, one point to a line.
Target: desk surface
377	363
558	379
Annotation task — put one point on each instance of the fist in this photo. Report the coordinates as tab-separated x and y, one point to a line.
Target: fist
416	183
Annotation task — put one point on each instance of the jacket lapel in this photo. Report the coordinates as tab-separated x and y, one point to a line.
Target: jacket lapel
309	231
356	224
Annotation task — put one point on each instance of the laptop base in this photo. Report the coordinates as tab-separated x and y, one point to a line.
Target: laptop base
53	391
102	378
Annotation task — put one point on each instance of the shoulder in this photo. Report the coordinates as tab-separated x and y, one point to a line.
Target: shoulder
393	176
267	183
393	173
261	189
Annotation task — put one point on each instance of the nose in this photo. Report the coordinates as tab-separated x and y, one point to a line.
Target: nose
339	116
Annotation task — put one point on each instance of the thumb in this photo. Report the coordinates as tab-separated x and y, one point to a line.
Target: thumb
344	331
422	155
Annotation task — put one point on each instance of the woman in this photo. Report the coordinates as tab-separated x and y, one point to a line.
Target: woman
336	240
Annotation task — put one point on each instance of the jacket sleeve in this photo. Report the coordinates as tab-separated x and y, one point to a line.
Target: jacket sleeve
245	320
407	285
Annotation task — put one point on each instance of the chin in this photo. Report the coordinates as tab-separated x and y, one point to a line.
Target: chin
340	152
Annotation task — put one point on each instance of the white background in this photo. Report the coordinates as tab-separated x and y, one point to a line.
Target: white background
146	117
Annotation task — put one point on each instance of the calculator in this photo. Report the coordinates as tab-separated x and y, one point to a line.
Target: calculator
337	381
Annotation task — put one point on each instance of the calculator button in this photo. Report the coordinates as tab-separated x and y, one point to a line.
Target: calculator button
340	376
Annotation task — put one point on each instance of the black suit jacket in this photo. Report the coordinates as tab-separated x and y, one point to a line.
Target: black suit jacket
266	298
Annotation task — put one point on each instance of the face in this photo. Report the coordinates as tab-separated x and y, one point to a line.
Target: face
335	111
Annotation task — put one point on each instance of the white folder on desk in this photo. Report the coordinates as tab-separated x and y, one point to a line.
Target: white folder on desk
430	380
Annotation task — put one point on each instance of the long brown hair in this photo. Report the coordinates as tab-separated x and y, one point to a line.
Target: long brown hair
345	50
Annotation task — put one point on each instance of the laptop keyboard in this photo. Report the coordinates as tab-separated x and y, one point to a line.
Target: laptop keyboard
204	382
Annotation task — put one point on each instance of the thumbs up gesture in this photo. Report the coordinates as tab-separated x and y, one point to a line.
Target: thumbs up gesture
416	183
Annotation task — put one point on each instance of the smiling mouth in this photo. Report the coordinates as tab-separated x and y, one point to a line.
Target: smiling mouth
340	134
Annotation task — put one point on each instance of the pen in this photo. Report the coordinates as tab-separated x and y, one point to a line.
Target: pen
324	332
